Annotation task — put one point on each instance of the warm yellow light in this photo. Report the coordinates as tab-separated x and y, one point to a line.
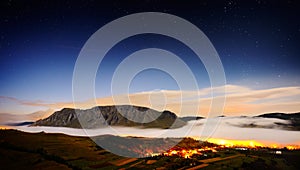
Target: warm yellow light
3	127
188	153
230	143
194	151
174	152
292	147
222	142
251	144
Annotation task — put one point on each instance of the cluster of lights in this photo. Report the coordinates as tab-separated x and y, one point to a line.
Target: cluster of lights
186	153
239	144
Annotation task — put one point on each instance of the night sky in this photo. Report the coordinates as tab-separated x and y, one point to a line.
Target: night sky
257	41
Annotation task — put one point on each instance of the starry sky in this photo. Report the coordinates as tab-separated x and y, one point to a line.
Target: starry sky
257	41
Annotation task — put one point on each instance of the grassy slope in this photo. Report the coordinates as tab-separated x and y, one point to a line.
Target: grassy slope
31	151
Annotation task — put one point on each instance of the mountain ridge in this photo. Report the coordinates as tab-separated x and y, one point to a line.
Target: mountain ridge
101	116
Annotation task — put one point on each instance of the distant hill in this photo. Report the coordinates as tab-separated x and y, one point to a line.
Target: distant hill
8	118
20	124
189	118
91	118
284	116
293	118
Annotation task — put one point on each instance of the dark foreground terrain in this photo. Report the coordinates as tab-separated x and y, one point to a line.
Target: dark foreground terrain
20	150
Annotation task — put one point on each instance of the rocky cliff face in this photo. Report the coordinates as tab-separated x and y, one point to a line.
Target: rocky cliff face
123	115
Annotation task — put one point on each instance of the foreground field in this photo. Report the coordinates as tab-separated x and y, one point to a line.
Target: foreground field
20	150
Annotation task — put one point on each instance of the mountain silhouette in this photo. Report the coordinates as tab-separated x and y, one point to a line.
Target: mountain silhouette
120	115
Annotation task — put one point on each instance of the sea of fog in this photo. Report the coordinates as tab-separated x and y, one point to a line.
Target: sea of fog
219	128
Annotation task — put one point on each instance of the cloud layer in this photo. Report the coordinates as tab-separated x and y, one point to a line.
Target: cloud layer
240	100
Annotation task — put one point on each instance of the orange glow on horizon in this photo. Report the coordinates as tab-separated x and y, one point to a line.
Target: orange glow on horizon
230	143
250	143
292	147
3	127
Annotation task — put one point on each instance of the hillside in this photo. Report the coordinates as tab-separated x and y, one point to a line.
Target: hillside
285	116
292	121
59	151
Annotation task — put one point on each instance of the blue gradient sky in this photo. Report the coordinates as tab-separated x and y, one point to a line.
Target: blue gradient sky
257	41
